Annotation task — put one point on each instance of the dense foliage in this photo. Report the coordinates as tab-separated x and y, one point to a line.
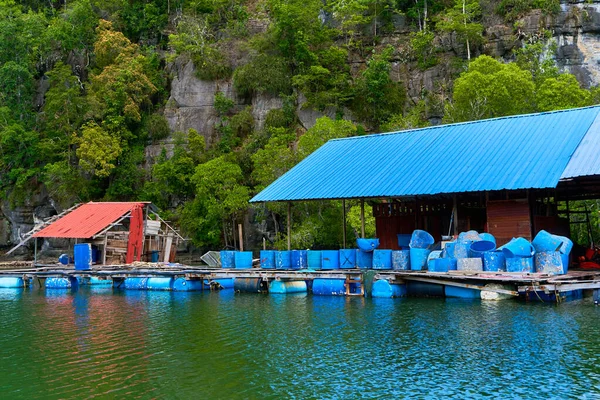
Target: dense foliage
84	85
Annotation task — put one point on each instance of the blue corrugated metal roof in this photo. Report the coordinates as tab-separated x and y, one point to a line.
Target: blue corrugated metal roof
586	160
517	152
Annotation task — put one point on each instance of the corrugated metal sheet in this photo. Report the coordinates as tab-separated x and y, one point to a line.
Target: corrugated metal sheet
586	160
87	220
518	152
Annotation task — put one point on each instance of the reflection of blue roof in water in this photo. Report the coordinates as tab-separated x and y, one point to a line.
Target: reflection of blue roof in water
517	152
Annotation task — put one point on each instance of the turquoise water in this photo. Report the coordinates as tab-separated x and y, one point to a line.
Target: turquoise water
221	345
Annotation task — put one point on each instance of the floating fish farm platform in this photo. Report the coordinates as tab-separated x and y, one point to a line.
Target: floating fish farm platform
343	282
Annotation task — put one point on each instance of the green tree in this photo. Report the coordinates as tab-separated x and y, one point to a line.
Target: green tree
324	130
275	159
461	19
16	89
560	93
98	150
491	89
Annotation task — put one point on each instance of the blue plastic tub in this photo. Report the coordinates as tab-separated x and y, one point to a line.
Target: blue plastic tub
330	259
494	261
442	265
418	259
83	256
420	239
546	242
367	244
313	258
347	258
401	260
285	287
364	259
448	251
329	287
477	249
159	283
488	236
63	259
518	247
462	248
519	264
227	259
298	259
267	259
283	259
187	285
548	262
154	256
382	259
382	288
470	236
243	259
404	240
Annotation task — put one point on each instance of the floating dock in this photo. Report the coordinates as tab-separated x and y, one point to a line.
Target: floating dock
346	282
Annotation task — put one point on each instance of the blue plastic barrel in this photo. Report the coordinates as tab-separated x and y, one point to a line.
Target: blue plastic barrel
462	248
414	288
404	240
283	260
548	262
418	259
546	242
249	285
154	256
565	250
367	244
97	281
518	247
519	264
299	259
470	236
401	260
477	249
63	259
313	258
286	287
135	283
187	285
488	236
227	259
348	258
364	259
243	259
11	282
83	256
329	287
267	259
220	283
159	283
420	239
330	259
69	282
494	261
382	259
442	265
384	289
448	251
462	293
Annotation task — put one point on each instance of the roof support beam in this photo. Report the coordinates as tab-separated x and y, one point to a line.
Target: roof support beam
344	222
362	218
289	226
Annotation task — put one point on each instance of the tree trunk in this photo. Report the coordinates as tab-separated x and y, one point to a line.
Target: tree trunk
465	22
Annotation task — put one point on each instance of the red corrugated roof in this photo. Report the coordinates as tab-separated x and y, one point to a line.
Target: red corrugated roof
86	220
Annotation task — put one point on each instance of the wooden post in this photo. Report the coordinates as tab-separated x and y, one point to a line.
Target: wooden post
104	252
455	212
344	222
289	226
34	251
362	218
264	243
241	237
